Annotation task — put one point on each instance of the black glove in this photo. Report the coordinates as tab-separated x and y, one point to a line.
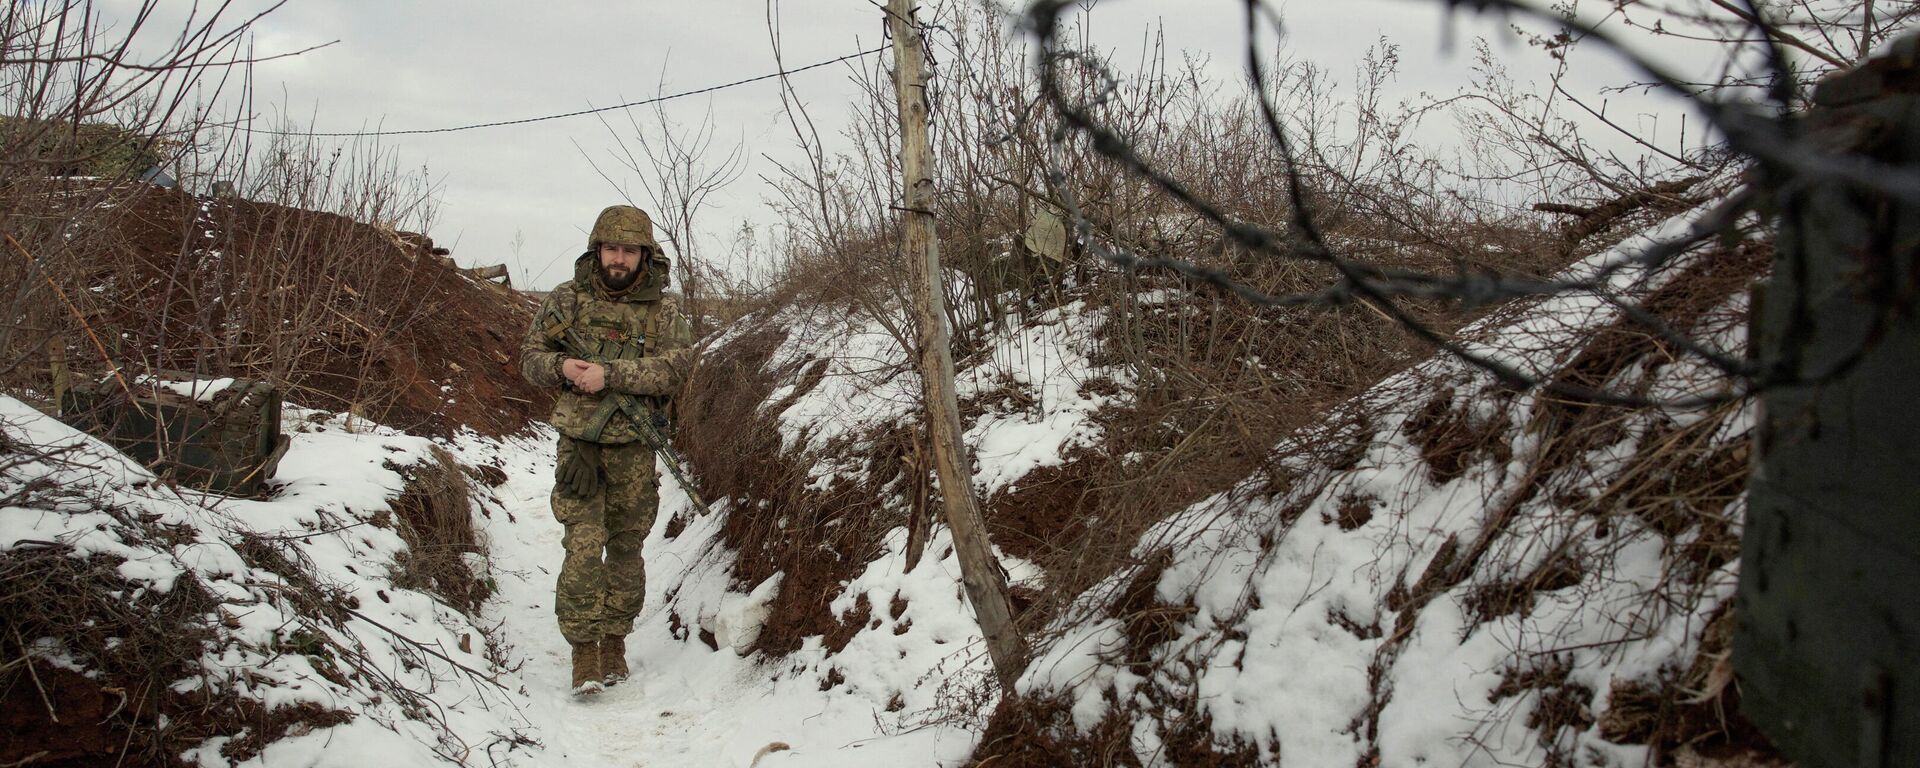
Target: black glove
580	476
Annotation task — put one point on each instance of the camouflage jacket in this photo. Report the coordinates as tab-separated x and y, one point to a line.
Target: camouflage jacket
641	338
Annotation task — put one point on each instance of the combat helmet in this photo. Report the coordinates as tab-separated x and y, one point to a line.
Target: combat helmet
626	225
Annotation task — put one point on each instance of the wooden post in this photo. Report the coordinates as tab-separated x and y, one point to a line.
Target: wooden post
1826	621
985	582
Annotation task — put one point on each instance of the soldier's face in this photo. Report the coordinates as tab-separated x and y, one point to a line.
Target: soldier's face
620	263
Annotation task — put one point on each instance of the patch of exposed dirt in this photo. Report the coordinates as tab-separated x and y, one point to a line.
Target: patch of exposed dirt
1516	596
1041	519
58	718
1693	713
1145	621
1560	704
1034	731
1190	740
125	712
1453	439
341	315
53	716
1355	510
1037	732
436	521
780	521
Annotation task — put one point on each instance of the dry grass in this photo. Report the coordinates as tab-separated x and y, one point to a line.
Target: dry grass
1203	417
434	516
125	712
1027	732
777	520
331	310
1691	715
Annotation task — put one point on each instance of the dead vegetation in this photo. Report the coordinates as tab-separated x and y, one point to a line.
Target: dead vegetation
1038	732
148	235
125	279
127	710
435	518
1455	436
331	310
1559	705
1212	382
777	520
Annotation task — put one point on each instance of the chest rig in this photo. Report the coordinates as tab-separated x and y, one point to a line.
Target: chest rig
602	331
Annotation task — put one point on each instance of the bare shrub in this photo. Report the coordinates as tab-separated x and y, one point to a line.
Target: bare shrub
297	278
1216	381
140	649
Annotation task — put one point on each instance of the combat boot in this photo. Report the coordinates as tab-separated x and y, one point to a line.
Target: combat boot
586	669
613	658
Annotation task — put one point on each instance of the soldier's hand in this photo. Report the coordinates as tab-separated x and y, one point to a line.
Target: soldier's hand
572	368
593	379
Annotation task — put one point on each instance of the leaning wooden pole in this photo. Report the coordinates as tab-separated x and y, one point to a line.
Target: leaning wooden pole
985	582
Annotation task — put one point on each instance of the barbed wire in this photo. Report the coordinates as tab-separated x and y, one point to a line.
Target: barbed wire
1766	137
564	115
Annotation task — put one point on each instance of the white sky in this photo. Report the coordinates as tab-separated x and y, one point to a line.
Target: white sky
431	64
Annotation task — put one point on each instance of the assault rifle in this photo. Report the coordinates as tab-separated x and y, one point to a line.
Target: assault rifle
642	420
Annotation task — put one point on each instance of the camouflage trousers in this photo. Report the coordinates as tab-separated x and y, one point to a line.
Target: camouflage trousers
603	580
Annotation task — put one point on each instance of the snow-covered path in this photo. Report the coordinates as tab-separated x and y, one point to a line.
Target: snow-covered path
889	697
650	720
686	705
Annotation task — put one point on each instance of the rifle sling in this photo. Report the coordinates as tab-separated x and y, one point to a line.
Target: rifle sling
603	414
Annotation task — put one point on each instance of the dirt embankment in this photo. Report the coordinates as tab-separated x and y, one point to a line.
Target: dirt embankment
343	315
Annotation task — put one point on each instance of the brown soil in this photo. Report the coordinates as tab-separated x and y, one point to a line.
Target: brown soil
1451	439
1028	731
1508	597
338	313
1692	711
50	716
1036	732
99	724
1146	622
1561	704
435	519
778	522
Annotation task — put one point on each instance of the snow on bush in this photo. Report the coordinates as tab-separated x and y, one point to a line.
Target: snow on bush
303	632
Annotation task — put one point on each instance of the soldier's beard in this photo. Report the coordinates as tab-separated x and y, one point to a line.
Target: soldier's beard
624	281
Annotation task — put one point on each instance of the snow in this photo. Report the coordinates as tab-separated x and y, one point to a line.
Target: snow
330	487
201	390
1047	358
1292	623
866	380
1293	643
688	705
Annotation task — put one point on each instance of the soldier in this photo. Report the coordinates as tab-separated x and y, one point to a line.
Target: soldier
618	349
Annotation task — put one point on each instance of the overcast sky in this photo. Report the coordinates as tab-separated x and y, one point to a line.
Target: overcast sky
430	64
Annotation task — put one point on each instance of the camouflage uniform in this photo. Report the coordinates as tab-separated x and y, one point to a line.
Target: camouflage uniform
644	343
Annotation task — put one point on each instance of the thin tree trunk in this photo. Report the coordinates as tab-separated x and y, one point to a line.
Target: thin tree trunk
985	582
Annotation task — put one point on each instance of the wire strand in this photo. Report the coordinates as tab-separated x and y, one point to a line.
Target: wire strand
579	113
